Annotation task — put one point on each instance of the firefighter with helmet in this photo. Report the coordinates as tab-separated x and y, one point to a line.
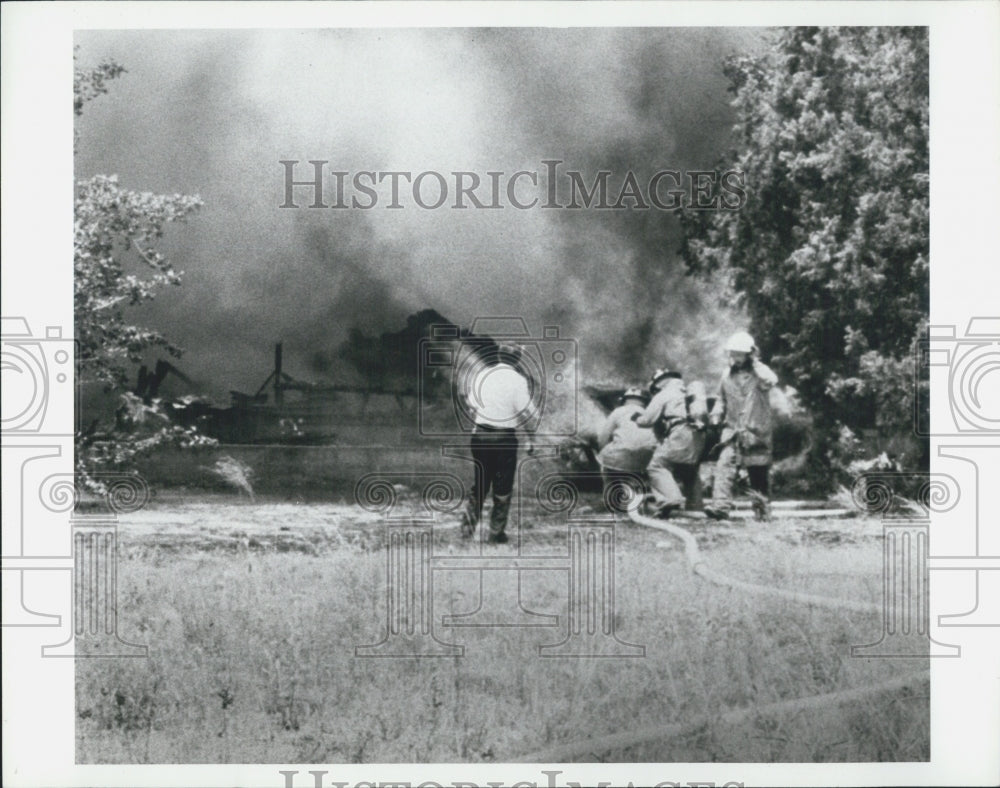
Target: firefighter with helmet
679	441
744	411
625	451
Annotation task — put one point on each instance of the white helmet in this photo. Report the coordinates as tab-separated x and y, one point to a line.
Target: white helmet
740	342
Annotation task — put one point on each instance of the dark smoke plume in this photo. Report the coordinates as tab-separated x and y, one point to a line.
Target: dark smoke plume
213	112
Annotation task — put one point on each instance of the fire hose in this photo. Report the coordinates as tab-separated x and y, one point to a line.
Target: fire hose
601	744
700	568
561	753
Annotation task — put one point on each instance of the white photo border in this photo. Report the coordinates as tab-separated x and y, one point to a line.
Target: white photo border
37	200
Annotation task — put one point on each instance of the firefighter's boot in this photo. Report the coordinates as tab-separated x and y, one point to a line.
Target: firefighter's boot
761	506
470	519
498	518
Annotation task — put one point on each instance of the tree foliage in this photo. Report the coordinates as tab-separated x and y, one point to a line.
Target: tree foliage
116	265
830	252
116	230
91	83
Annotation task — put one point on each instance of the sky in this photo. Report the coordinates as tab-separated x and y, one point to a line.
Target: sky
214	113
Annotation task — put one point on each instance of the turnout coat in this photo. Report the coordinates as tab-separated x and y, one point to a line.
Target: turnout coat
744	407
681	442
625	446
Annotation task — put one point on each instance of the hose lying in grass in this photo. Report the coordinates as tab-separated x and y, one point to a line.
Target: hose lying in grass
601	744
700	568
562	753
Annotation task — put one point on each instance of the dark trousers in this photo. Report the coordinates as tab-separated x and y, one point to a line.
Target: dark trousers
494	452
759	479
689	479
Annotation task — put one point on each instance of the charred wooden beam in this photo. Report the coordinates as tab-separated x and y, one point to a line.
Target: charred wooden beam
279	393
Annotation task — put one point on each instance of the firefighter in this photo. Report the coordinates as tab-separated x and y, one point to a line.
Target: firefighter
500	399
679	442
625	451
692	438
744	410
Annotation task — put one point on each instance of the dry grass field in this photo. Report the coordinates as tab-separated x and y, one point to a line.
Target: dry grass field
252	612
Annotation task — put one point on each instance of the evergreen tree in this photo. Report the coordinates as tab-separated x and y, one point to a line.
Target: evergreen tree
830	252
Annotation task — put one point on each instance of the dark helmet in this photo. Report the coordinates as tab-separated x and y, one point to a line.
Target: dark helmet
662	374
635	393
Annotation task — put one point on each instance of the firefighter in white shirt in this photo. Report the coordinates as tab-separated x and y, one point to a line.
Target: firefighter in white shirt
500	399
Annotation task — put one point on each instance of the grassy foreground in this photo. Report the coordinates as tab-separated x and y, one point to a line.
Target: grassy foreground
252	661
